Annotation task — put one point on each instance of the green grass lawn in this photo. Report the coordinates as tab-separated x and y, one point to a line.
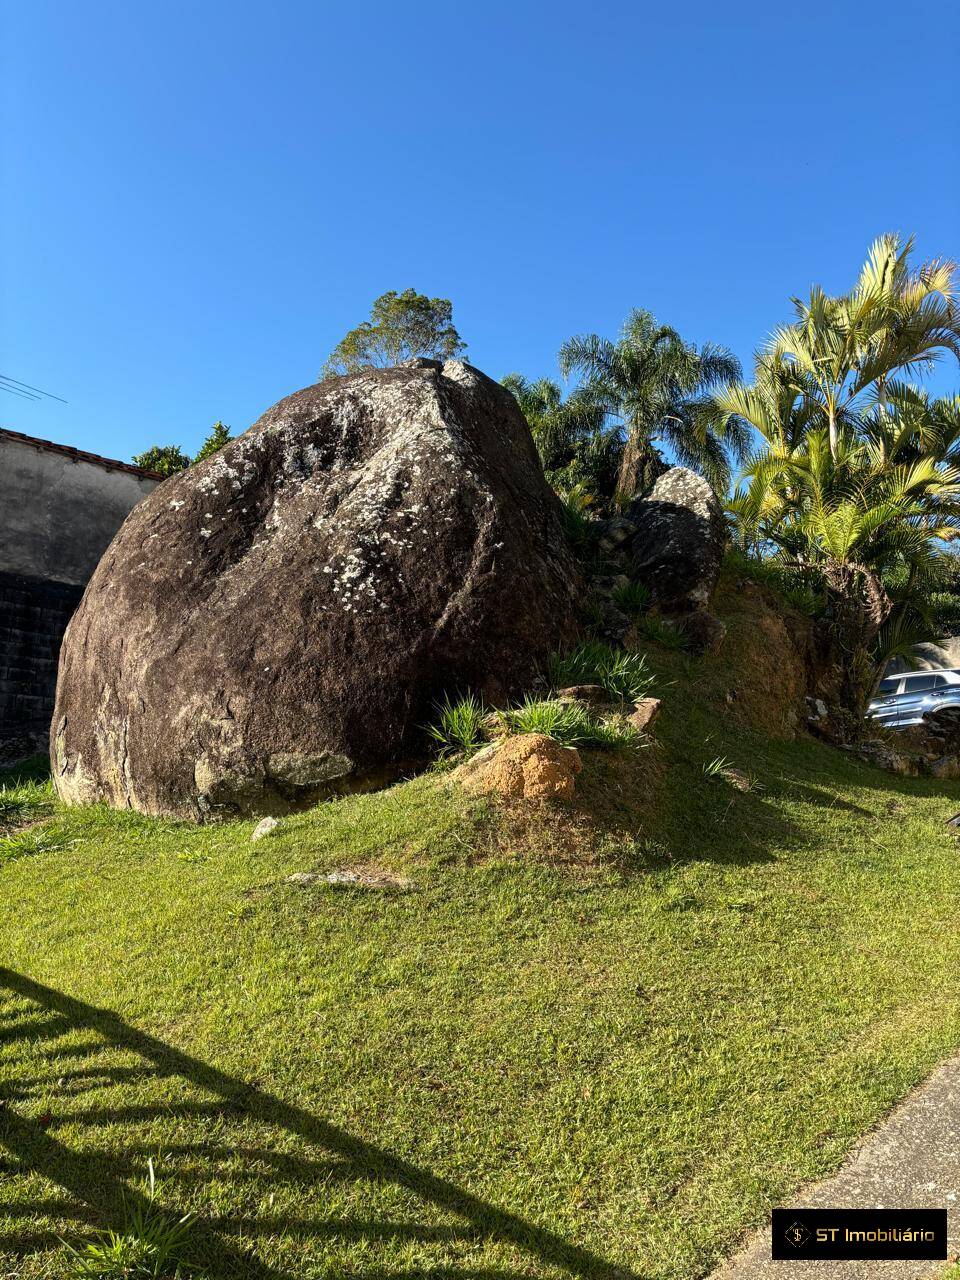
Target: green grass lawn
596	1043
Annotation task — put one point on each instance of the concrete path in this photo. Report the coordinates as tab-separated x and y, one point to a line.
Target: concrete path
911	1161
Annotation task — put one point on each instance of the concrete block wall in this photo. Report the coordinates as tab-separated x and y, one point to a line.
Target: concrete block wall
33	617
59	510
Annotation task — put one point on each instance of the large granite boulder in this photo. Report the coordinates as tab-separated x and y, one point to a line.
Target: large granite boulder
272	625
678	545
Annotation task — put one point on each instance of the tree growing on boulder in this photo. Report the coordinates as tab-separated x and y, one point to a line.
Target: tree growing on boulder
401	326
218	437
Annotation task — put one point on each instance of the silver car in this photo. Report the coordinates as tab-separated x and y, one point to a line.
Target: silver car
914	696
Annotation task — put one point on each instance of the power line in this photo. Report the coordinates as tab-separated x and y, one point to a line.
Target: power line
5	377
14	391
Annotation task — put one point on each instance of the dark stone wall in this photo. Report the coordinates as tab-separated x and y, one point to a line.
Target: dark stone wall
33	617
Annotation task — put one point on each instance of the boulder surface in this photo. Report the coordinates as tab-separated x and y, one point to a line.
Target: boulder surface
272	625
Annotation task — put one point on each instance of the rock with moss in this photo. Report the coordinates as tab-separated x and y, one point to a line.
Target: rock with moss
273	625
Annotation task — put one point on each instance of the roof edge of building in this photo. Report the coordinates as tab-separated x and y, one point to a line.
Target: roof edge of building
81	455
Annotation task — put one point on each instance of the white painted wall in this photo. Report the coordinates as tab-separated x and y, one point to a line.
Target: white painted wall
58	515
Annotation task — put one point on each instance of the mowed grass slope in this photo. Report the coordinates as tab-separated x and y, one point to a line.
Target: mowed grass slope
599	1042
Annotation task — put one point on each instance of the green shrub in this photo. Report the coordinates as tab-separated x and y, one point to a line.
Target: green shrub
568	723
459	725
579	528
623	675
944	609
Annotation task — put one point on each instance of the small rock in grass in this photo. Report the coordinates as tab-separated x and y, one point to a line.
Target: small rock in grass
588	695
264	827
644	714
303	878
362	876
702	631
342	876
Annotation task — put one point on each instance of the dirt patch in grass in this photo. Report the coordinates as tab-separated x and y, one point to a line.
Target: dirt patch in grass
608	822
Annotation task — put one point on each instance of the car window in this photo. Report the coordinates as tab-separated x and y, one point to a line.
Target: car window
889	685
923	684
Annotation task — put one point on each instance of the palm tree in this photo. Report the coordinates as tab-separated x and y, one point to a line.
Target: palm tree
658	386
845	519
580	454
844	351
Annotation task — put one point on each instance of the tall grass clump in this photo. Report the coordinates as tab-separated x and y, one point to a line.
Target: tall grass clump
661	631
624	676
149	1246
569	724
459	725
632	597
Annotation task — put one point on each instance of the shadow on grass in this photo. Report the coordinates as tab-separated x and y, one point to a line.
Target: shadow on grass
97	1182
33	769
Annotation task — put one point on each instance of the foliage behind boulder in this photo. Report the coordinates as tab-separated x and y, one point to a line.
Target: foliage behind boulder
273	624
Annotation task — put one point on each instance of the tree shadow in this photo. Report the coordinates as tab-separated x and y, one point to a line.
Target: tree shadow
98	1181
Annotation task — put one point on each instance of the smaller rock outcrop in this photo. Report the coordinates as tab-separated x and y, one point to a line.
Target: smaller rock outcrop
528	766
702	632
877	752
669	548
588	695
680	537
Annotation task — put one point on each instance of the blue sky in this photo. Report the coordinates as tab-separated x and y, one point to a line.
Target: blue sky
200	199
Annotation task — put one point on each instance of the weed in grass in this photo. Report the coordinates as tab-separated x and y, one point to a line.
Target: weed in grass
23	801
632	597
192	855
149	1246
622	674
459	725
721	767
31	842
716	767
